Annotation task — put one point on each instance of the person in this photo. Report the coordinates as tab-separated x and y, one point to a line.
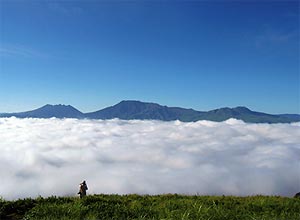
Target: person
82	189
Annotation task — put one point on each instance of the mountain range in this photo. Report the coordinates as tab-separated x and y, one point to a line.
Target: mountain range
128	110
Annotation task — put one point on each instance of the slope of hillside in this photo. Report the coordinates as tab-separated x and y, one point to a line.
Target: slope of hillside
152	207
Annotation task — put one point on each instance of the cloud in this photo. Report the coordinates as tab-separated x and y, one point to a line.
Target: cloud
63	8
52	156
11	50
276	38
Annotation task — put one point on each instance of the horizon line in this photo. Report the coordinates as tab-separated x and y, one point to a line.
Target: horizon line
147	102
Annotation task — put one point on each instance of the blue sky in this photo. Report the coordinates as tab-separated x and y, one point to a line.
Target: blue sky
201	55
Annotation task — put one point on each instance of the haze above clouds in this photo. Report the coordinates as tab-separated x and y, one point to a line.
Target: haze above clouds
52	156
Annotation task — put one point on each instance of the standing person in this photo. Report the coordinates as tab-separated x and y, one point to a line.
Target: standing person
82	189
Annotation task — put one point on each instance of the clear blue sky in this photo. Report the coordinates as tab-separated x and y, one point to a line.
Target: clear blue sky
201	55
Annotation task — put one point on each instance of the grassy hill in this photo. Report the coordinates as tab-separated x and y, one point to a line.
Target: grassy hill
153	207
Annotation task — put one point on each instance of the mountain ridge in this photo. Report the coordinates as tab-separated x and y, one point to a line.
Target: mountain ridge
133	109
48	111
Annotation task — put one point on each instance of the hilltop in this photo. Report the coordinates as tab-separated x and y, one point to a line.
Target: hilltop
152	207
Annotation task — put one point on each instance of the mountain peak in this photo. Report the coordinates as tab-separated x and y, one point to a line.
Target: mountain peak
130	102
133	109
242	109
136	102
57	105
48	111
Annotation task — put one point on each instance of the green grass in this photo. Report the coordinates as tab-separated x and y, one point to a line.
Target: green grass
177	207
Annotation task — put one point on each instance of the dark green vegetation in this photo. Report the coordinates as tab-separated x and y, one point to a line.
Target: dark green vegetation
127	110
153	207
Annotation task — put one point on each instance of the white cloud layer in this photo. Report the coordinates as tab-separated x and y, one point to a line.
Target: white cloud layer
52	156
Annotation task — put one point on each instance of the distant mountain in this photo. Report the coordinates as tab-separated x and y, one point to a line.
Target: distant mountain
127	110
246	115
294	117
141	110
49	111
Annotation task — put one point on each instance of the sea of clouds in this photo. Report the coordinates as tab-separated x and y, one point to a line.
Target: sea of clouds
52	156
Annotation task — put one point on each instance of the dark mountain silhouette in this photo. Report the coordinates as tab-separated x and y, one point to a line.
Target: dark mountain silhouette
244	114
142	110
127	110
49	111
291	116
